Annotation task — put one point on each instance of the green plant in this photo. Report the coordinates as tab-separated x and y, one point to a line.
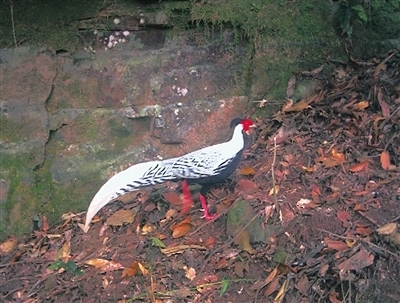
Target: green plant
347	14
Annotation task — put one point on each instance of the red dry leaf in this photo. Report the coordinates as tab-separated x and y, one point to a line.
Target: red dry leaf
359	207
343	216
359	166
246	186
333	297
364	231
173	198
385	159
335	244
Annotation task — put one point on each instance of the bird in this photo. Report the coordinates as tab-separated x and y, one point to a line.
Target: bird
206	166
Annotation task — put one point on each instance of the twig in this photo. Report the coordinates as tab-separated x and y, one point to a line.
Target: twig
273	179
12	22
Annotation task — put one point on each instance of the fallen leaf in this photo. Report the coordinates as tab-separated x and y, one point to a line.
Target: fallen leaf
358	261
243	240
387	229
282	291
298	107
8	245
343	216
272	287
303	284
190	273
359	207
121	217
335	244
64	251
143	269
179	249
131	270
288	104
333	297
361	105
247	171
385	159
308	169
97	263
246	186
274	190
181	228
338	155
359	166
365	231
173	198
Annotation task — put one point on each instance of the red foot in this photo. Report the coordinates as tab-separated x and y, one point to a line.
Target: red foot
207	215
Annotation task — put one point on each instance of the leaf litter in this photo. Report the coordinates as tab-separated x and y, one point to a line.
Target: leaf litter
310	216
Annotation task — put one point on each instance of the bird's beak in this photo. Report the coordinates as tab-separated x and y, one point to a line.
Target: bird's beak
248	132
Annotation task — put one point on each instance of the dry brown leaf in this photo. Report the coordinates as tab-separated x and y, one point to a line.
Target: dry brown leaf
333	297
387	229
343	216
272	287
246	186
243	240
173	198
359	207
359	166
169	251
131	270
8	245
308	169
120	217
181	228
303	284
288	104
385	159
358	261
338	155
335	244
247	171
97	262
282	291
361	105
365	231
317	70
64	251
298	107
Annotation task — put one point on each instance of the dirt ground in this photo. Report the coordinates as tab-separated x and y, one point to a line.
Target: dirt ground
327	234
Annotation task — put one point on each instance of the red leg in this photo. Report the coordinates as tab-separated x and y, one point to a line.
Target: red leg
187	200
207	215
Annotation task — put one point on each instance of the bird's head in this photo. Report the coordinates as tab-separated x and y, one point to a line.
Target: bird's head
246	124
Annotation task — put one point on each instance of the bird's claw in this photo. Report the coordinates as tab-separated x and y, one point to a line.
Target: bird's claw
209	217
